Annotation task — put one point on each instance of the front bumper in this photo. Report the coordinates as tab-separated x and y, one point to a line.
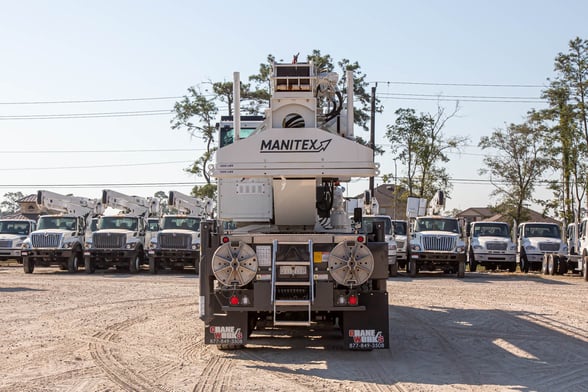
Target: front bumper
495	257
10	254
437	257
48	256
112	256
172	257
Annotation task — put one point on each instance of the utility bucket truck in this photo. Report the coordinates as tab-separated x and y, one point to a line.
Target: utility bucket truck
60	235
120	239
436	241
293	261
177	244
13	232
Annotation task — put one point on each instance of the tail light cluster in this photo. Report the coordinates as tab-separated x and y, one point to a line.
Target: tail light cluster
349	299
239	300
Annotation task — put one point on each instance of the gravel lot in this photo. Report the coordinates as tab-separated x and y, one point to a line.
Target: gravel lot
113	331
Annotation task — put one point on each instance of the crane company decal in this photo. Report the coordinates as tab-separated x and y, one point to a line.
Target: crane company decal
225	334
294	145
366	338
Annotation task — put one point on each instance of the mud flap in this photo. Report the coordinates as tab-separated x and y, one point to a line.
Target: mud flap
368	330
227	330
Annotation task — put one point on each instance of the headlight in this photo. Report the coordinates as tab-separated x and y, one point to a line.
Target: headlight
530	248
391	246
130	245
478	247
512	247
415	247
87	244
26	245
67	245
195	246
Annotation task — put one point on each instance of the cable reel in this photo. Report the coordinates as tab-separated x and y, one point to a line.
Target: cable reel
351	263
234	264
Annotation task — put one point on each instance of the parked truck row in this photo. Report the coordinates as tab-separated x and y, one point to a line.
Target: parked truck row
116	230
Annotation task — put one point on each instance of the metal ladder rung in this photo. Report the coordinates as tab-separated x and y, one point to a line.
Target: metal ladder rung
293	323
278	263
284	283
292	302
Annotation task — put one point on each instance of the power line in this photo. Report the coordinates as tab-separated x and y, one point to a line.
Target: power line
88	115
461	84
89	101
461	96
99	151
94	166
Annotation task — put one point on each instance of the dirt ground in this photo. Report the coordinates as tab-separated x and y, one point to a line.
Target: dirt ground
113	331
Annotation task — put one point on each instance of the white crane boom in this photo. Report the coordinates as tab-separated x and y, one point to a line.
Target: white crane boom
131	205
75	205
189	205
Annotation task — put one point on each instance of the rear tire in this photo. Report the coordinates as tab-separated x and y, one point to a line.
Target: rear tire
585	267
28	265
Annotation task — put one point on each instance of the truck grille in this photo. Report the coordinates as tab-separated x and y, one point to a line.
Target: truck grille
174	241
496	245
108	240
548	246
439	242
45	240
5	243
400	244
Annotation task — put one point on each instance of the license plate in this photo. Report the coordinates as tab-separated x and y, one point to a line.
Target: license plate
292	270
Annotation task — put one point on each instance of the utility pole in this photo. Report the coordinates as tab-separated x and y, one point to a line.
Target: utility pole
373	133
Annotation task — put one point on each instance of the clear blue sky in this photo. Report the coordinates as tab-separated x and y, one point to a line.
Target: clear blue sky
80	51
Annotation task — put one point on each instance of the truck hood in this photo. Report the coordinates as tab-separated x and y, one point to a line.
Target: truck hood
12	236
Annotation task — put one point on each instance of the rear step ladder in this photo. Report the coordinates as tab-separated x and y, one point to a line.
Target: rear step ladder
292	304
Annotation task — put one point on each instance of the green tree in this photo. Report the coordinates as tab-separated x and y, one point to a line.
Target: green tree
419	143
520	163
9	205
196	114
567	118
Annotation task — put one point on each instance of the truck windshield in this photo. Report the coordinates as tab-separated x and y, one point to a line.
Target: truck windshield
437	224
368	222
399	227
118	222
171	223
491	230
542	230
14	227
57	222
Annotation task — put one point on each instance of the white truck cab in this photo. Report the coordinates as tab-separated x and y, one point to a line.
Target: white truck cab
534	239
490	245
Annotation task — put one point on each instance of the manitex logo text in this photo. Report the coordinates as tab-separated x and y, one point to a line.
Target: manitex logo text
294	145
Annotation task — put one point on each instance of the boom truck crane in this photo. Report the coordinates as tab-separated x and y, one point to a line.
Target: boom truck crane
59	238
177	244
282	265
120	239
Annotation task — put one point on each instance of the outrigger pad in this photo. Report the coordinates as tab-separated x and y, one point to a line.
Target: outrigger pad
230	329
368	330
